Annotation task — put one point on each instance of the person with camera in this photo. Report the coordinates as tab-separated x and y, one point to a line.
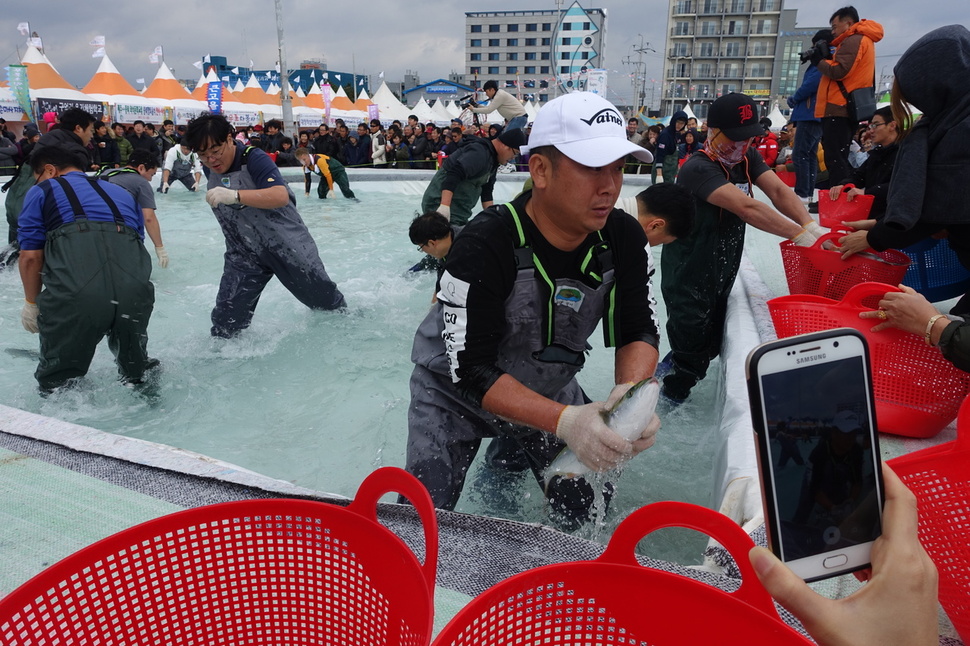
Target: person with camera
809	127
507	105
851	67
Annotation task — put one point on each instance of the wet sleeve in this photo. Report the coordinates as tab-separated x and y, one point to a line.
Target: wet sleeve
263	170
636	315
488	189
701	176
476	281
31	233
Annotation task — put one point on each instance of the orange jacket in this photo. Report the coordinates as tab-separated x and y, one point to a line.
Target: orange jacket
854	63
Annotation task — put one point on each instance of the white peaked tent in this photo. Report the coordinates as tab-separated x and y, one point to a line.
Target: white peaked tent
238	87
441	112
777	118
531	109
390	107
423	111
454	109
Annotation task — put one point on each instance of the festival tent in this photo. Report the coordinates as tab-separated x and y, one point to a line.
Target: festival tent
341	101
238	87
423	111
49	89
127	104
777	118
314	98
454	108
169	92
343	108
532	110
363	100
390	108
441	112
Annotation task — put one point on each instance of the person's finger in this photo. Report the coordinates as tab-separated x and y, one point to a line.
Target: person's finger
899	516
786	587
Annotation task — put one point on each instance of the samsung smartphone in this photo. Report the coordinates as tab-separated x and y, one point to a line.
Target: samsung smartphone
818	450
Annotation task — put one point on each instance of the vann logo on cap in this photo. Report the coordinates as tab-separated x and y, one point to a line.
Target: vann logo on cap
745	112
606	115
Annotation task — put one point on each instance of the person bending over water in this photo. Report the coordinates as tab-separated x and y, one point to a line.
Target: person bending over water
265	235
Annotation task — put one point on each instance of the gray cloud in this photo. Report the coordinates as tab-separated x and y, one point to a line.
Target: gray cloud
379	35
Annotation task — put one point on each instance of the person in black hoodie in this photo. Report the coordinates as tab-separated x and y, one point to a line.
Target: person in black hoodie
873	176
325	143
927	197
74	133
469	174
105	147
667	158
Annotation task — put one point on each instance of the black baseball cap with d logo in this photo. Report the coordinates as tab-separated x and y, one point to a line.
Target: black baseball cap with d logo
736	115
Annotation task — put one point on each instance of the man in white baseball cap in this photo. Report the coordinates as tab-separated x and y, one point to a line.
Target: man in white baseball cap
524	286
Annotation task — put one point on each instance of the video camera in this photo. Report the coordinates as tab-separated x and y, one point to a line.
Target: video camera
466	101
820	48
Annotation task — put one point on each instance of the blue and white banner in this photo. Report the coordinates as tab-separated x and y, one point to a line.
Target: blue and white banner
20	86
213	97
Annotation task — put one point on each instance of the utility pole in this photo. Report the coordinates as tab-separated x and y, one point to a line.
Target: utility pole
285	102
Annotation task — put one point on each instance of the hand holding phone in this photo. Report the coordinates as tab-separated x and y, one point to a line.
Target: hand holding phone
818	452
898	604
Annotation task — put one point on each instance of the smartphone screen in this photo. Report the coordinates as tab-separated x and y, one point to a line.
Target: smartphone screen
819	453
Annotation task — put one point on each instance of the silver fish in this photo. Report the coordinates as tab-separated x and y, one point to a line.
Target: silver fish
628	418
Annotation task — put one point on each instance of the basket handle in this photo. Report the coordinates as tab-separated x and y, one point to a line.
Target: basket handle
622	545
831	236
857	293
396	480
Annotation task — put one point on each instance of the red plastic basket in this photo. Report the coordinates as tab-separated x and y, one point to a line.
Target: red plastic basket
832	213
614	600
814	270
917	391
940	478
247	572
787	176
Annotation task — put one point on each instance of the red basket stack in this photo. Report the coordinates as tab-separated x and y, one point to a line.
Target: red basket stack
832	213
615	600
917	391
940	478
822	272
248	572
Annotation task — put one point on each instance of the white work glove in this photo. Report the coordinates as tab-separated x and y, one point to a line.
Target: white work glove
162	256
28	317
221	195
165	188
331	194
809	234
195	187
445	211
583	430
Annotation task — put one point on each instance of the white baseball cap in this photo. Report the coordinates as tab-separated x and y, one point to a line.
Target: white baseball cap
586	128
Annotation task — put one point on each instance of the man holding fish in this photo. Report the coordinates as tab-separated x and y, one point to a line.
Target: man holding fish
523	288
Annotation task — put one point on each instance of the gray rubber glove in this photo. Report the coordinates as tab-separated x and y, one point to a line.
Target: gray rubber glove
583	430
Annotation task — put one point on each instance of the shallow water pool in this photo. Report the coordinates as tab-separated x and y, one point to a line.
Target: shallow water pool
319	398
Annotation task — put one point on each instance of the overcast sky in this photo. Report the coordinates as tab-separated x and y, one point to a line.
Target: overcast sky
379	35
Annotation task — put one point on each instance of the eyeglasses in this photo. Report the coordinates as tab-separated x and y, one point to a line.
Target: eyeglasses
422	246
876	124
212	152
